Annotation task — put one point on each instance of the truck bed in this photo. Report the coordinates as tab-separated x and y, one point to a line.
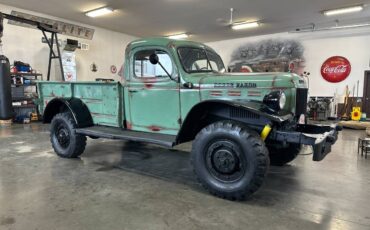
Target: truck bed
104	100
119	133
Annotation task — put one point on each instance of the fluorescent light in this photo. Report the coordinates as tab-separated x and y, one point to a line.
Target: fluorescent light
331	28
346	10
244	25
178	36
99	12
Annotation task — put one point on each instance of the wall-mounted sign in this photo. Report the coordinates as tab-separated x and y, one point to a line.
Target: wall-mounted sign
64	28
271	55
336	69
113	69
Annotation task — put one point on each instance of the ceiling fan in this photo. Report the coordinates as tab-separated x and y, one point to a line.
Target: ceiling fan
237	25
225	22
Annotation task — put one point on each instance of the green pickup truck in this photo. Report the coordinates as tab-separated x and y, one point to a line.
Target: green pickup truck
178	91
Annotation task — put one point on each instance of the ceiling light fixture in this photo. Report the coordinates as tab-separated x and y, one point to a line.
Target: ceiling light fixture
179	36
99	12
347	10
337	27
244	25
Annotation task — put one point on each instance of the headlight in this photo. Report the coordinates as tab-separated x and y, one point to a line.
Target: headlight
275	100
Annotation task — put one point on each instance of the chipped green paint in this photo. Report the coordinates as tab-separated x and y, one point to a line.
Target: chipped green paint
103	100
159	105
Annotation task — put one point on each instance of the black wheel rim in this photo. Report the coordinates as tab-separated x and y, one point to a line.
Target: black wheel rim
62	135
224	161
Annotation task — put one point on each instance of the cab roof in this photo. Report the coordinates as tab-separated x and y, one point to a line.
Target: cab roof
165	42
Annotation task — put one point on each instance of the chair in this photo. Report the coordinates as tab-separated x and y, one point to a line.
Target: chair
363	145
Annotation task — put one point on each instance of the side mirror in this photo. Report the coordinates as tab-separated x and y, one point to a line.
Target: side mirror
153	58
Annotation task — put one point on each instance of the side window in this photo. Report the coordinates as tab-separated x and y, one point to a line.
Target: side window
145	69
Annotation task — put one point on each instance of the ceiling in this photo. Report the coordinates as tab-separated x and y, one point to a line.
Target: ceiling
205	20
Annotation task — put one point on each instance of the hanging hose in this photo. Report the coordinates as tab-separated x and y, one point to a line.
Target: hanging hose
6	108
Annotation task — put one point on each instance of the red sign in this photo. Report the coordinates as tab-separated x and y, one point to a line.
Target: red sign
336	69
113	69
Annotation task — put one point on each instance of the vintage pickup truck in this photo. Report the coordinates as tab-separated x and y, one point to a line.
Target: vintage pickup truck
178	91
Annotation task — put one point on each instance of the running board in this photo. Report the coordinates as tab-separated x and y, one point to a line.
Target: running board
122	134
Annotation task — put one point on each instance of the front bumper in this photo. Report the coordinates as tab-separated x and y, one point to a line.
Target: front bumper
320	137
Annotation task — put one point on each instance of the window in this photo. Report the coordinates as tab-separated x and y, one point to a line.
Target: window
145	69
195	60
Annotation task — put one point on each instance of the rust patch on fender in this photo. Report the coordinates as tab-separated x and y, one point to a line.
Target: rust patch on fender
128	125
155	128
148	85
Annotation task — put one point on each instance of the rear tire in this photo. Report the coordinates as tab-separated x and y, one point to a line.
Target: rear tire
229	160
282	156
65	141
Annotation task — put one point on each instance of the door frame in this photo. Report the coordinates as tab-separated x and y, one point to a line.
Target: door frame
364	101
137	84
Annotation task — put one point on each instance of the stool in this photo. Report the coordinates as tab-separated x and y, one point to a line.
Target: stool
363	144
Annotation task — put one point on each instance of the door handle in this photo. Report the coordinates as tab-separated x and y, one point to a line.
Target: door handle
132	91
188	85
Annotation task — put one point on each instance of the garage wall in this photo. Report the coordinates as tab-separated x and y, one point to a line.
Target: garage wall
24	44
352	44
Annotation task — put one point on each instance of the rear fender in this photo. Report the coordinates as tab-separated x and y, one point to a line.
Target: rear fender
78	109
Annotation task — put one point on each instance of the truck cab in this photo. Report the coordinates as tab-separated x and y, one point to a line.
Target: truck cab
179	91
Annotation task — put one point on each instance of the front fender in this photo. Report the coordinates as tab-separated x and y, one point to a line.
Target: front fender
206	112
75	106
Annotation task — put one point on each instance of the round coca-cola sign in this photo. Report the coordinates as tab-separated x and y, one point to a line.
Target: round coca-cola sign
335	69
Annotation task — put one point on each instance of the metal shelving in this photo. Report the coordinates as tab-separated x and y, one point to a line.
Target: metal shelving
22	96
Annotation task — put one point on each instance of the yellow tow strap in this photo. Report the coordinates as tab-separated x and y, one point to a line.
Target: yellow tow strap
265	132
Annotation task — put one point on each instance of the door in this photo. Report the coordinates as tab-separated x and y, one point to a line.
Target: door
154	100
366	94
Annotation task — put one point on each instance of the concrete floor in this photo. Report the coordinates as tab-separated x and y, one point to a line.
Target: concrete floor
121	185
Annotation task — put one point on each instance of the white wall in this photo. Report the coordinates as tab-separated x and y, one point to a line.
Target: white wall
24	44
352	44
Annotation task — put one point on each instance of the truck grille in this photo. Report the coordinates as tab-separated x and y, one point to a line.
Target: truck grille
301	101
242	113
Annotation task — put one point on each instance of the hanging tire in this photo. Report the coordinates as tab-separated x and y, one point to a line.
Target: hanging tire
229	160
65	141
282	156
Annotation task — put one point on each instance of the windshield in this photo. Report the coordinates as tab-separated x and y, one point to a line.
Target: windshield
197	60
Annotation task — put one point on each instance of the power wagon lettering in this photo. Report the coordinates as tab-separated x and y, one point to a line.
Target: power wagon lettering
236	85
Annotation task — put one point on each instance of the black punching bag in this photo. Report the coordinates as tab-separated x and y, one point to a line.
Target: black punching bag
6	108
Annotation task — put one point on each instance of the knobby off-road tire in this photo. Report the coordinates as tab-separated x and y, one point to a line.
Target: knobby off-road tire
65	141
282	156
229	160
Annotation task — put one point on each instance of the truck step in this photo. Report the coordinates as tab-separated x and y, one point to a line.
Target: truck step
119	133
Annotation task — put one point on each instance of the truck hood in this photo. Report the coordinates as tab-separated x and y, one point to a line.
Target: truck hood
246	86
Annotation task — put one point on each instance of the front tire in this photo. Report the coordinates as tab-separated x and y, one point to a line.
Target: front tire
65	141
229	160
